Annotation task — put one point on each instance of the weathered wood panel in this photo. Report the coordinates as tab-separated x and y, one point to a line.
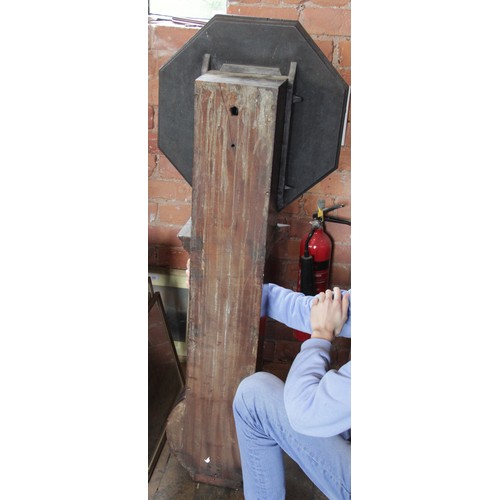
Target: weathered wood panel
237	143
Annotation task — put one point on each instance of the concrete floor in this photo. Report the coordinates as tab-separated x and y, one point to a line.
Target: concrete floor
171	481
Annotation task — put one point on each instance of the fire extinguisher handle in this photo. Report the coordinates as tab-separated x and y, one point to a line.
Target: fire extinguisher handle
335	207
339	221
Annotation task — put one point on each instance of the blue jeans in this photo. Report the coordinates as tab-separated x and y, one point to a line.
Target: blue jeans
264	433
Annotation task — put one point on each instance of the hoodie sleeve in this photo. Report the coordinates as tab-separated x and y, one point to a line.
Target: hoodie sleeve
293	309
317	399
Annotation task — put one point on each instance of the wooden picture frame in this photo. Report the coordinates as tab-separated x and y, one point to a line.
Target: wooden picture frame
151	291
165	378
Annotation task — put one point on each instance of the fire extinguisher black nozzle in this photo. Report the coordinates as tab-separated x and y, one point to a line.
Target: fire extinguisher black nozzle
307	275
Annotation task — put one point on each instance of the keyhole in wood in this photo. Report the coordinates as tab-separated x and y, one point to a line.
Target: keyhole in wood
234	111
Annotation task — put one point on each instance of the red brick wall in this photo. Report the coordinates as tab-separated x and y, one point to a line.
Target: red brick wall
169	204
328	23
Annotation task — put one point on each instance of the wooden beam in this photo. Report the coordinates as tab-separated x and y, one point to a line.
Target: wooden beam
238	136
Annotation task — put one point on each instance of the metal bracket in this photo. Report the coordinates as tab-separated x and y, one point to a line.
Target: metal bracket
205	66
290	99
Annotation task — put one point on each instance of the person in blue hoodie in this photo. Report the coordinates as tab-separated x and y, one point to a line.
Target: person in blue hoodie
309	416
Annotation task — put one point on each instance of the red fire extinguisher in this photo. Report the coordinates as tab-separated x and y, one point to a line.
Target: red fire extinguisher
316	257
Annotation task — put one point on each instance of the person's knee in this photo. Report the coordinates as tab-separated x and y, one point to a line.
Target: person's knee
255	388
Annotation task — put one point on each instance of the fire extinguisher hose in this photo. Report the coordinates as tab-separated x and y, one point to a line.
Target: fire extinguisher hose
307	269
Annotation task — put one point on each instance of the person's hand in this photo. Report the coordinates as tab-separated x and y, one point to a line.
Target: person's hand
328	314
187	272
